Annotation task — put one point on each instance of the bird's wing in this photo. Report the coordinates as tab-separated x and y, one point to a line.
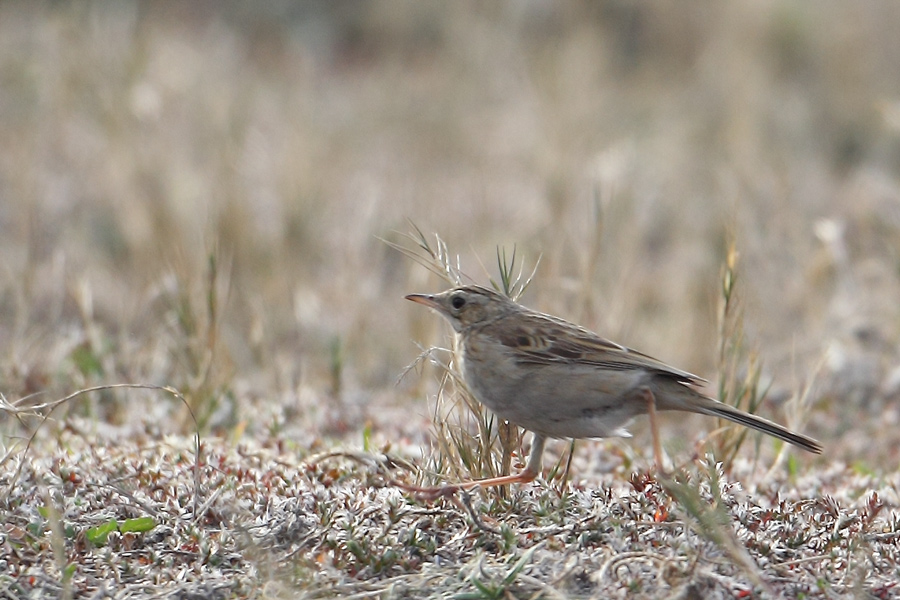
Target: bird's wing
541	339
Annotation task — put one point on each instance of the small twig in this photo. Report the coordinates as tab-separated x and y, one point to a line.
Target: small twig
209	501
125	493
544	589
800	561
381	462
882	537
613	561
466	503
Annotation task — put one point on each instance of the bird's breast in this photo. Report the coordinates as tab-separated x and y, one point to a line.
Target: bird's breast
490	372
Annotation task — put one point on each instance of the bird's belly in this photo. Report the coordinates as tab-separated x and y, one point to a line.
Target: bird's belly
559	400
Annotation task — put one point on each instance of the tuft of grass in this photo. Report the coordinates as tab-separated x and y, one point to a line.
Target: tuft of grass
434	256
490	586
205	377
511	283
710	516
474	443
739	370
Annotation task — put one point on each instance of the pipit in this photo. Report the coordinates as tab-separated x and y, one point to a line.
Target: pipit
559	380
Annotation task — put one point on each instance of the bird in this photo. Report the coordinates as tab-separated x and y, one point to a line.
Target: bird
557	379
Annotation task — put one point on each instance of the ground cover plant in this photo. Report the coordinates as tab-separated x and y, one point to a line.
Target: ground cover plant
209	217
186	516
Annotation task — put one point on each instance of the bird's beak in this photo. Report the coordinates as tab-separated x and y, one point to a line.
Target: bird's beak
425	299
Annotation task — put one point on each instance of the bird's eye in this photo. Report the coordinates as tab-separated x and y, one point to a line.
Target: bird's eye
458	302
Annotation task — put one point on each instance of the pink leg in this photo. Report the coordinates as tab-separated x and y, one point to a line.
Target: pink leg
654	428
532	470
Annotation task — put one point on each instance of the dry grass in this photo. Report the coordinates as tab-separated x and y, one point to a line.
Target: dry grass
194	196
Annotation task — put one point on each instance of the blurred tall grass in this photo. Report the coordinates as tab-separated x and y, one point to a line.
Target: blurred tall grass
191	194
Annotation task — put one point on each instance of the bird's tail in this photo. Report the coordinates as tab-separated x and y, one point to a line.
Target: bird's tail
713	408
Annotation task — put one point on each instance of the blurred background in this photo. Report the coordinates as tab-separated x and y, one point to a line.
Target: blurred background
195	194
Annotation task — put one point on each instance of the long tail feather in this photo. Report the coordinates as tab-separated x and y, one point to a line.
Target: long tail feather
718	409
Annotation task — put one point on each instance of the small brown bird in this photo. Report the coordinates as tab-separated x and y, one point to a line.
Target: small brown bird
559	380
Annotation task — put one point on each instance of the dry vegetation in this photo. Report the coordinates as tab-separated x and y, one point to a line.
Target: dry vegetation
197	197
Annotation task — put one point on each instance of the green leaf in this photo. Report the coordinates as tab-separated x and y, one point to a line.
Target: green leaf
86	361
517	568
138	525
35	528
99	534
367	437
793	467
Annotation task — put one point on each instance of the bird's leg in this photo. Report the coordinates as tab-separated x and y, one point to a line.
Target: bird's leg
654	427
532	469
